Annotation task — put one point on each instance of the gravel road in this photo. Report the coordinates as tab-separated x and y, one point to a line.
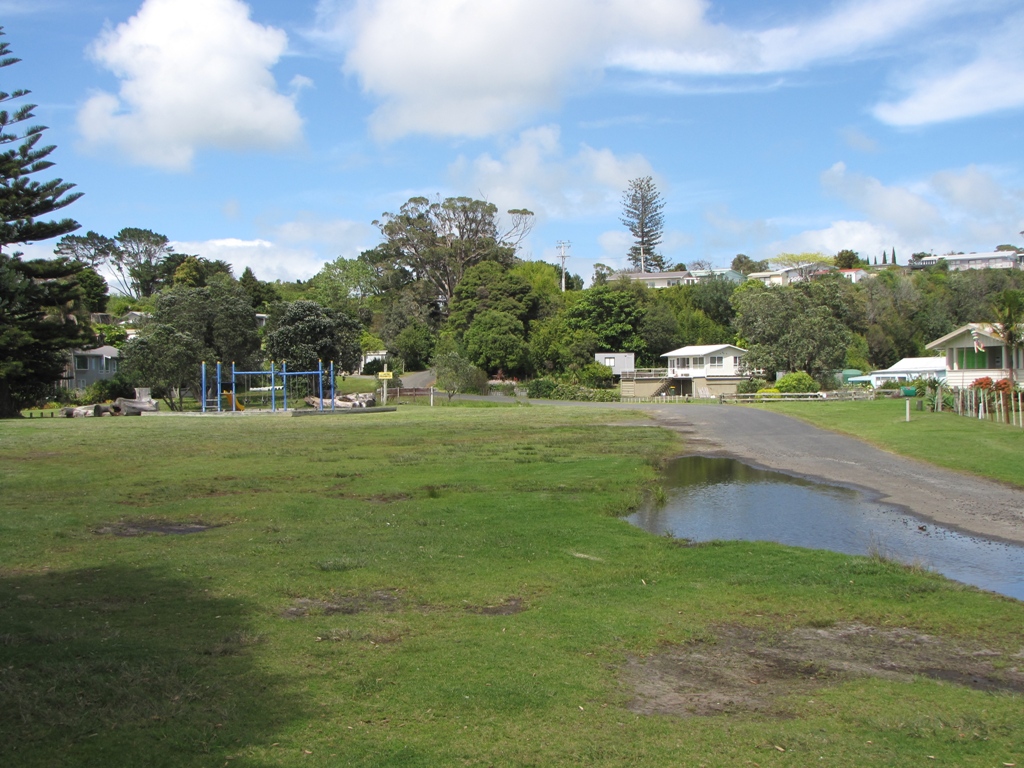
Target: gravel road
952	499
955	500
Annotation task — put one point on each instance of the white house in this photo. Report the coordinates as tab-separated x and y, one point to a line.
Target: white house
705	370
974	352
619	362
854	275
781	276
907	369
658	279
697	275
961	261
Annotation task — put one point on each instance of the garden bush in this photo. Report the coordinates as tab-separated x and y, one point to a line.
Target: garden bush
108	390
798	381
768	394
541	387
750	386
503	388
394	364
597	376
583	394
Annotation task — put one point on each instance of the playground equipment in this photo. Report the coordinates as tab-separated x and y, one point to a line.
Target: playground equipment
231	395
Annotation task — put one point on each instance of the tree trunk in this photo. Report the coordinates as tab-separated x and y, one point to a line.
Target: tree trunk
8	408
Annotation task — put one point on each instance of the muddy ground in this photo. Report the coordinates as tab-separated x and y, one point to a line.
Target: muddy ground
744	670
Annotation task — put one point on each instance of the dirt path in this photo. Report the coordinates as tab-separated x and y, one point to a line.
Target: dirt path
951	499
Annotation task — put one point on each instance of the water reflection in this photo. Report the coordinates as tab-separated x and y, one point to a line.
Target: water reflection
715	498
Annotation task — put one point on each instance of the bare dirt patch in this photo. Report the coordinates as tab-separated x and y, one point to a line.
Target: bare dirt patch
509	607
150	526
744	669
381	600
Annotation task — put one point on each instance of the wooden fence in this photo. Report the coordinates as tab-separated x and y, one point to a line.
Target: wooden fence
840	395
985	405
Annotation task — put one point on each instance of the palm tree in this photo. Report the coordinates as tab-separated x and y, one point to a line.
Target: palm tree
1009	325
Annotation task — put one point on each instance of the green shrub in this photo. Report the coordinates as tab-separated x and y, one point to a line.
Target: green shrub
768	394
750	386
541	388
584	394
798	381
597	376
106	390
394	364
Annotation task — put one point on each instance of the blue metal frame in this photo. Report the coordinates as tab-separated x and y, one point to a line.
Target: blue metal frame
284	373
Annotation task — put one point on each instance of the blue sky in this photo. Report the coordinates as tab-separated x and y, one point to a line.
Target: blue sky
273	134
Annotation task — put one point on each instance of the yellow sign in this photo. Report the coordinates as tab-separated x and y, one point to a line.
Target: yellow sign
385	375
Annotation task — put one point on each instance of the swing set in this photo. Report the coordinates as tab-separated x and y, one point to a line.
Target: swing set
223	397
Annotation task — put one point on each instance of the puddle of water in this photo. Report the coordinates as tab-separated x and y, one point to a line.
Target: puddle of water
715	498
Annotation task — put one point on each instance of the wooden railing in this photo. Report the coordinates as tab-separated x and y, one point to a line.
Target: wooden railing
645	373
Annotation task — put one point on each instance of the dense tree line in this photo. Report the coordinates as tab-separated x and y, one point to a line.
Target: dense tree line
445	286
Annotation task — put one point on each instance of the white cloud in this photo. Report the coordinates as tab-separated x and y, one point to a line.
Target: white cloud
969	209
729	230
338	235
897	207
867	238
857	139
476	67
978	193
269	261
194	73
293	250
535	172
991	82
614	247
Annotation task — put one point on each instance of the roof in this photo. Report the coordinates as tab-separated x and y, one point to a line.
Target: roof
701	350
653	275
918	364
973	256
106	351
981	329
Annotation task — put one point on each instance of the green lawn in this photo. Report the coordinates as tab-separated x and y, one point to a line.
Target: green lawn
956	442
432	587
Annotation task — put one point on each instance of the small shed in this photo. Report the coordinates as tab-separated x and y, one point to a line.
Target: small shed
619	362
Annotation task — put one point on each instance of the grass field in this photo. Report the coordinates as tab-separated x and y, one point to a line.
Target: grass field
956	442
451	586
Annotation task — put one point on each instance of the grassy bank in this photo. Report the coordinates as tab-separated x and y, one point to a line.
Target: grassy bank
955	442
450	587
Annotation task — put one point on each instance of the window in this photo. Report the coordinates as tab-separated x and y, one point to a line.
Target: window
698	362
716	362
81	363
683	362
610	362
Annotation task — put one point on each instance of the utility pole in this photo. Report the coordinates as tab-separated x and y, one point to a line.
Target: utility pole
563	245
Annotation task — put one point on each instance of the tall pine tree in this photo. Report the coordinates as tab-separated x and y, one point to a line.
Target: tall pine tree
642	214
41	311
23	201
